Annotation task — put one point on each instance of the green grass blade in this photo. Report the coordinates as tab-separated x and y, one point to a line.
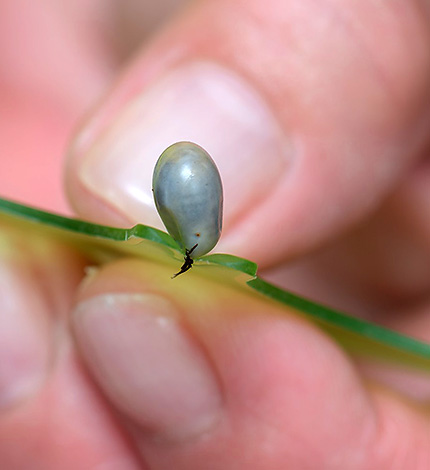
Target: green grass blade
102	243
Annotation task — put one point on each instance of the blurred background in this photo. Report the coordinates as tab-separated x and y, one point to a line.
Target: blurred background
57	58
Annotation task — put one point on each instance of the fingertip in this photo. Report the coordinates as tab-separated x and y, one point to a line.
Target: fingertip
309	138
206	371
147	364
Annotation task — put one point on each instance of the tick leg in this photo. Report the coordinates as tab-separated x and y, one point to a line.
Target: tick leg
188	252
188	261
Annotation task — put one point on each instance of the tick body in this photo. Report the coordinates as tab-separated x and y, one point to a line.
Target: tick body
188	196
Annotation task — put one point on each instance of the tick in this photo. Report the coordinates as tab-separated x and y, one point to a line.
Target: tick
189	198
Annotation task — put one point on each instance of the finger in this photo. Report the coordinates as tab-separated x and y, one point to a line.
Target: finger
25	326
310	123
216	378
51	416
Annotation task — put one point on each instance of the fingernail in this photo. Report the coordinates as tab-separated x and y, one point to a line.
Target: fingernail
203	103
24	335
147	364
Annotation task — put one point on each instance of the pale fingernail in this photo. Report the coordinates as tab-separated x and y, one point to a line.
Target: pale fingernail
147	364
24	334
203	103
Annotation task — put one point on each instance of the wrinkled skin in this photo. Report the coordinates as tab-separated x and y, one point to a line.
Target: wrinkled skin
323	150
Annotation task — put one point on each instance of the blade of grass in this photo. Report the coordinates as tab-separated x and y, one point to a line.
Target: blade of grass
102	243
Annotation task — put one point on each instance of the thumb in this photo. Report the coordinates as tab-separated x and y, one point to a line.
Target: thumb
309	124
206	376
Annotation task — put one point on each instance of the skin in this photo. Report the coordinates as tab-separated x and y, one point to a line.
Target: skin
273	392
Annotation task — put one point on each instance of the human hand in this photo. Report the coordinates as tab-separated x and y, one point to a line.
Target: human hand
237	383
